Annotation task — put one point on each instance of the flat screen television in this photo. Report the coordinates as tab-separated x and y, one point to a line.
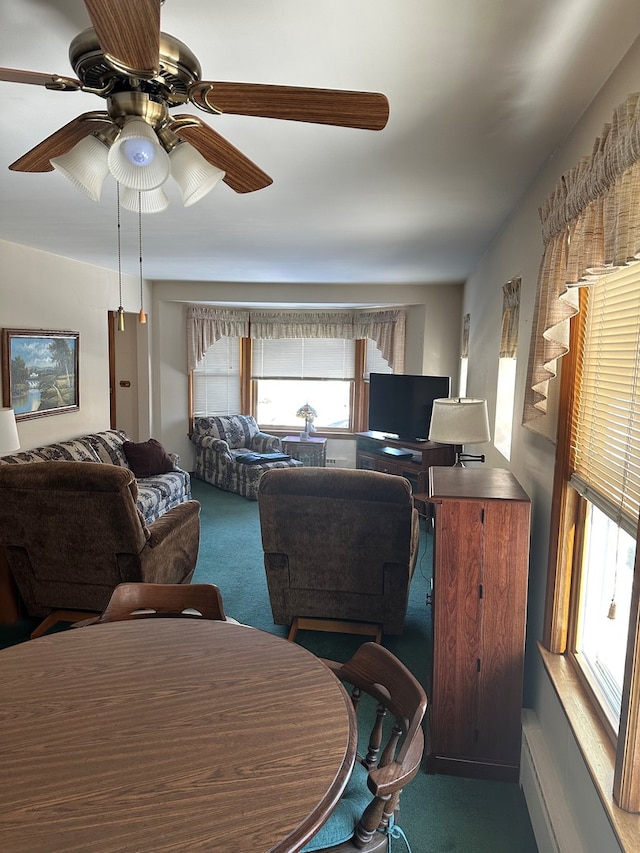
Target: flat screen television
400	404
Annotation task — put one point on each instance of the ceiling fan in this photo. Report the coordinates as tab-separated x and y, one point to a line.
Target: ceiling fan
143	73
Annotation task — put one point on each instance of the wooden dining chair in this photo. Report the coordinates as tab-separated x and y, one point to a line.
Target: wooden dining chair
142	600
390	704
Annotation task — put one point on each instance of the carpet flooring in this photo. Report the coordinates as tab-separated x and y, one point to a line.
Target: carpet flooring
439	814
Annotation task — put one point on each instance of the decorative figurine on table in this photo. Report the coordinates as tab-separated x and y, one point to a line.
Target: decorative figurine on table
308	413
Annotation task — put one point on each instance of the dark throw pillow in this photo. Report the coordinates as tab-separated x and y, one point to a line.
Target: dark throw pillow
147	458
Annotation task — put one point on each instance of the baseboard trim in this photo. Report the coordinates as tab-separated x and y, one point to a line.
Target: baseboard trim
549	811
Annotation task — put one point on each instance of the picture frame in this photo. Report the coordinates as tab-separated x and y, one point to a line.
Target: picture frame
40	372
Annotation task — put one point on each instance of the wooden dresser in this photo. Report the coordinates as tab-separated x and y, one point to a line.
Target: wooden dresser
481	562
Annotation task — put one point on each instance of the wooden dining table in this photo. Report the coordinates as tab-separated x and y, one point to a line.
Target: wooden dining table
169	734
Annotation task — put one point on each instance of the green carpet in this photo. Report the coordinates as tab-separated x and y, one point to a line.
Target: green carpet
440	814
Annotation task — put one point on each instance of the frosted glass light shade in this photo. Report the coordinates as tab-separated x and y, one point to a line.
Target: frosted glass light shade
194	175
138	141
85	165
152	201
459	421
9	441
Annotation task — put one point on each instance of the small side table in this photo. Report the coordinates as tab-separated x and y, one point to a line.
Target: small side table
312	452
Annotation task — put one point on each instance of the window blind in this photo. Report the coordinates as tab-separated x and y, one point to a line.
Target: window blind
605	428
303	358
374	361
216	380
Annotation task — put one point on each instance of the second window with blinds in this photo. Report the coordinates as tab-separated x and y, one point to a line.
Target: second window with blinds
289	373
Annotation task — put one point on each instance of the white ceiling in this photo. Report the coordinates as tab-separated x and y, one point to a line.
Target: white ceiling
481	92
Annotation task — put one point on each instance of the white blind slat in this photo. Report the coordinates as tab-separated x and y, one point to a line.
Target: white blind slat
303	358
216	380
605	434
374	361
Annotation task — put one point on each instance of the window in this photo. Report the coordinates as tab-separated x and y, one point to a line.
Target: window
590	602
289	372
507	367
604	603
375	362
283	354
216	380
605	443
505	396
464	357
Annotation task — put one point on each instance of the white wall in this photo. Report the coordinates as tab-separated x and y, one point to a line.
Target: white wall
43	291
518	251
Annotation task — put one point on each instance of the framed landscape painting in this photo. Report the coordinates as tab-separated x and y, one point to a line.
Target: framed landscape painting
40	372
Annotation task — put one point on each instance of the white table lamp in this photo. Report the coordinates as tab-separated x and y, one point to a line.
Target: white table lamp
459	421
9	441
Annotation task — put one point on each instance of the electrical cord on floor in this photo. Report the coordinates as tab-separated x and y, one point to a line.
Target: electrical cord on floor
426	572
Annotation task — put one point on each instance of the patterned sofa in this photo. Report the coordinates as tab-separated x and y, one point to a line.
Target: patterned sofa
220	440
156	494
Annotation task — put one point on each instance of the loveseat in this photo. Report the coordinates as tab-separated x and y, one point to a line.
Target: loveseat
156	493
222	442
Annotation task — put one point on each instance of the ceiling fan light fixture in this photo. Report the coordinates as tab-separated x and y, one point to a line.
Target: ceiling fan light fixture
194	175
85	165
152	201
136	159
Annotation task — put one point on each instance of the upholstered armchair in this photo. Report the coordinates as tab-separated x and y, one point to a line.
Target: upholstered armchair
221	440
70	532
340	547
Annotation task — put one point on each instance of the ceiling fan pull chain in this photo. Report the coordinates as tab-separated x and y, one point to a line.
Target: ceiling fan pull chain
120	308
142	317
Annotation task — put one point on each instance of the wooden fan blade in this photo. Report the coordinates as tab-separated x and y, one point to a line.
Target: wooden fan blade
365	110
37	160
129	34
241	174
49	81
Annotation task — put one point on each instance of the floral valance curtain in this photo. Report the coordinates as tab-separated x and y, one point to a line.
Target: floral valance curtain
207	325
590	228
510	318
267	325
388	330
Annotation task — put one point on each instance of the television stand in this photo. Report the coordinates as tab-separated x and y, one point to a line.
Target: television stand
411	459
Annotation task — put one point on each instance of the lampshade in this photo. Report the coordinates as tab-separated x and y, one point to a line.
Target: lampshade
136	159
194	175
307	412
9	441
85	165
151	201
459	421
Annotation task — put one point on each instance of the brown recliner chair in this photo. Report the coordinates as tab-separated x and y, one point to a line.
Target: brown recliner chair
340	547
70	532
